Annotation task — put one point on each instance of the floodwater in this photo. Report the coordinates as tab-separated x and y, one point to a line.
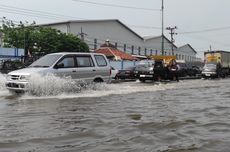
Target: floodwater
189	116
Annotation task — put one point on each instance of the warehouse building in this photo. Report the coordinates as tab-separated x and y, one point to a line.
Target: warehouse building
96	32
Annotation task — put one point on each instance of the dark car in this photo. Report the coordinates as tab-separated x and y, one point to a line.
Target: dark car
10	65
145	70
127	73
194	70
183	70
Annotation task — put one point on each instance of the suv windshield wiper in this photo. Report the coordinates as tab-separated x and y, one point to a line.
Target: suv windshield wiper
40	66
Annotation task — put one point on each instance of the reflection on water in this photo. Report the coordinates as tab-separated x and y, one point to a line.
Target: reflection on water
187	116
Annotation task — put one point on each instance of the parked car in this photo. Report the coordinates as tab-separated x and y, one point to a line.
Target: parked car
114	73
188	70
145	70
79	66
10	65
127	73
195	70
183	70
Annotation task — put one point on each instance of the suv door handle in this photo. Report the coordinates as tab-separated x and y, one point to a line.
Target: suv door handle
74	71
94	70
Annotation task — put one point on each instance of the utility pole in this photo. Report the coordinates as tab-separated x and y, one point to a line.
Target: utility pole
162	25
82	35
172	32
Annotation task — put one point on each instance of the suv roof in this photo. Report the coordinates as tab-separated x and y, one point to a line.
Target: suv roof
64	53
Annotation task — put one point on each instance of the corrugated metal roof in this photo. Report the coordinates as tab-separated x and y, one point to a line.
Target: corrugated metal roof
88	21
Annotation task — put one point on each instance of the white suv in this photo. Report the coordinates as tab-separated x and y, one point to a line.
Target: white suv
92	67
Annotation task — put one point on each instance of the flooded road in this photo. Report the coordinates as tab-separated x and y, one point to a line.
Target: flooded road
189	116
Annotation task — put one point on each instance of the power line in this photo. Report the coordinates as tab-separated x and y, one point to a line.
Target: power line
145	27
218	43
206	30
33	13
48	15
2	19
115	5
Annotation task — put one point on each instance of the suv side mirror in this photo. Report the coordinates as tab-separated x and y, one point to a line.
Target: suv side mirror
59	65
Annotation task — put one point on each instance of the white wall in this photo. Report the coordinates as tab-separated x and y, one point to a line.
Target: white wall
116	32
186	53
155	44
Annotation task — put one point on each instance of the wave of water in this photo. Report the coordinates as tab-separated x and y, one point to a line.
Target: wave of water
50	86
188	116
55	87
3	90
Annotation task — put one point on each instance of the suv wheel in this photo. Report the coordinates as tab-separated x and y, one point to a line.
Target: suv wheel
142	80
98	80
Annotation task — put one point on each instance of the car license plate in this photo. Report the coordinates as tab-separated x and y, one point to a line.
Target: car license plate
207	75
143	76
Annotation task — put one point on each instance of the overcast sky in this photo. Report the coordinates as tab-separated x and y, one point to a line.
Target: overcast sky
200	23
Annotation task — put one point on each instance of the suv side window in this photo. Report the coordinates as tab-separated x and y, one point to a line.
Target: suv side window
84	61
67	62
100	60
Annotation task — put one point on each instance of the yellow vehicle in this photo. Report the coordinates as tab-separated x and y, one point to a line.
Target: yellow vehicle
166	59
217	64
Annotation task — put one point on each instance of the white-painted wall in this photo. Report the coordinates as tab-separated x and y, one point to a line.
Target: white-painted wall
186	53
119	34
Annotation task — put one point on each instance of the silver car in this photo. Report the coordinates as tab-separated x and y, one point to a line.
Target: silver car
92	67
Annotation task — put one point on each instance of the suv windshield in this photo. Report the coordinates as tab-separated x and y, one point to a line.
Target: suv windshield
210	66
46	61
146	63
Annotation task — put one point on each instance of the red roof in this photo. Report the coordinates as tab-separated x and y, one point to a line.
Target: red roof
114	52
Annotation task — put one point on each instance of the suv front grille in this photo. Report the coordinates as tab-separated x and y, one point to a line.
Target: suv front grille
15	77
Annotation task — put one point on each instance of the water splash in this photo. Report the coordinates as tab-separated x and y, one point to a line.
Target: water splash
50	85
3	90
55	87
2	81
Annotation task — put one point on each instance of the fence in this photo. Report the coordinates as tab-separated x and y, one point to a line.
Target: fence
11	53
120	65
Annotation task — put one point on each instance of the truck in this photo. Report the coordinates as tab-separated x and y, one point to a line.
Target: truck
217	64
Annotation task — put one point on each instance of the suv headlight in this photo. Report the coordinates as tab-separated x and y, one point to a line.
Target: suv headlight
24	77
151	72
8	77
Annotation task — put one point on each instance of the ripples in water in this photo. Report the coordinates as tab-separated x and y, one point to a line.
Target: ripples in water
189	116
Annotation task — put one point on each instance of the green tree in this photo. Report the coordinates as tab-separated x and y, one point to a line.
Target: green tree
40	39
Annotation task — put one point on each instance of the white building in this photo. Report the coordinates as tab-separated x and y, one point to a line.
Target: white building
187	53
96	32
156	44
